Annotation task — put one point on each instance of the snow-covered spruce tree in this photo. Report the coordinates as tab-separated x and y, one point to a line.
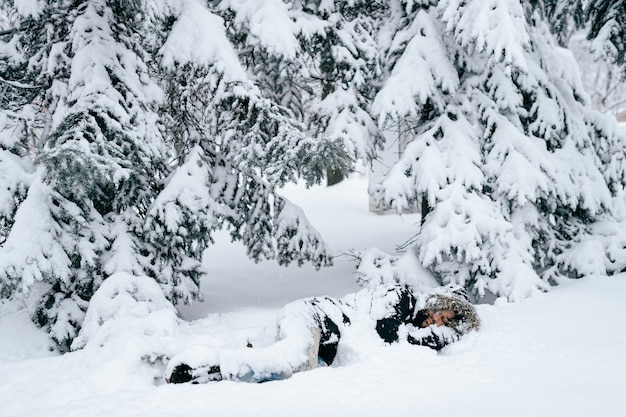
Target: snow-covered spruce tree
117	168
603	20
263	34
95	155
21	122
508	164
608	26
602	79
564	16
320	60
234	145
344	63
595	31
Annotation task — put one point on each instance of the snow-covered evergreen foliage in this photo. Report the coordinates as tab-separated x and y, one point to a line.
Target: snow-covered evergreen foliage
602	79
127	305
320	60
237	142
507	162
130	131
604	21
98	148
607	20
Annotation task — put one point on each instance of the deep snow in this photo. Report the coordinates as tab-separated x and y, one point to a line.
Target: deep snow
556	354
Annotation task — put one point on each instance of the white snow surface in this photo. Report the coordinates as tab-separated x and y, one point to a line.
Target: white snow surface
555	354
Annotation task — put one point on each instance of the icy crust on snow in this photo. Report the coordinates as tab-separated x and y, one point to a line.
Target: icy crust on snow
127	305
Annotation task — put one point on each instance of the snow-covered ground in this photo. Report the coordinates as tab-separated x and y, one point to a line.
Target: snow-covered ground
556	354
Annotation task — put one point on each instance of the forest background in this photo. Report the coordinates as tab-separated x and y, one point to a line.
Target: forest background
138	138
134	132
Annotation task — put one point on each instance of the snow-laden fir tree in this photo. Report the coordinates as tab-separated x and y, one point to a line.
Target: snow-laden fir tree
320	60
509	166
234	144
95	155
603	20
130	132
608	25
596	32
602	78
344	63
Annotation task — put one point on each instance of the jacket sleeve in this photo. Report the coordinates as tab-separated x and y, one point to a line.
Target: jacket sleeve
387	328
433	337
400	312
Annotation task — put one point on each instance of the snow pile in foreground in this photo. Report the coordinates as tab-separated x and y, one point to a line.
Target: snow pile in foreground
557	354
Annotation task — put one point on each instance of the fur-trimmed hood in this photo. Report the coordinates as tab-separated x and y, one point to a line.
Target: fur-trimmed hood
455	298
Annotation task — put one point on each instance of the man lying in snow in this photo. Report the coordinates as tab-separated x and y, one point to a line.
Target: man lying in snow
309	332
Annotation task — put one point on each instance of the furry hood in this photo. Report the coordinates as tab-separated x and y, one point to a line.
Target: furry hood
455	299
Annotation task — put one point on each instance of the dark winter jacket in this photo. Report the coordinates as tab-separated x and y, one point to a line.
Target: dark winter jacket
408	313
396	307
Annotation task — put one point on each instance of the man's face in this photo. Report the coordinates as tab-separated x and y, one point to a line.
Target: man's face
438	318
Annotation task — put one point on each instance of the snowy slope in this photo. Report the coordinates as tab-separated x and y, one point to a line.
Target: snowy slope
557	354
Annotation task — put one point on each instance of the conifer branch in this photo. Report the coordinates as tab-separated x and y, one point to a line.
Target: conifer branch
13	31
19	85
8	31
